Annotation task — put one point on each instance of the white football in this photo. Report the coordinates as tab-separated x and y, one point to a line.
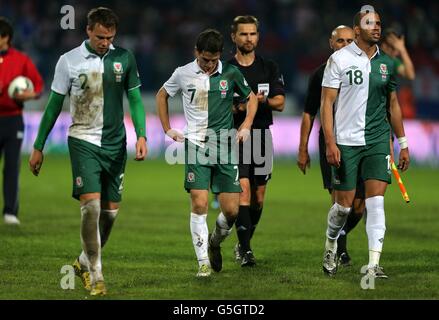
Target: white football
18	85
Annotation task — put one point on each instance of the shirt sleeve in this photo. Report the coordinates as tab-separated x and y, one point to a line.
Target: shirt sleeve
277	85
61	80
132	80
137	112
51	113
32	73
172	86
392	84
312	101
241	86
332	74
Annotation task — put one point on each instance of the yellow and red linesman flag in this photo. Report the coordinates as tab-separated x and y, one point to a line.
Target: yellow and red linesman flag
401	185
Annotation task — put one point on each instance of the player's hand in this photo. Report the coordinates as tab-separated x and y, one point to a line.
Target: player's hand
261	97
303	161
36	161
141	149
333	155
243	132
175	135
25	95
238	107
397	42
404	159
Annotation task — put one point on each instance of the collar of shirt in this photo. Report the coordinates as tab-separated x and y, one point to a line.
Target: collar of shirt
198	70
4	52
360	52
87	53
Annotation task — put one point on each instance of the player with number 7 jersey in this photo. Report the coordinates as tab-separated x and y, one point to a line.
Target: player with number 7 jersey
207	86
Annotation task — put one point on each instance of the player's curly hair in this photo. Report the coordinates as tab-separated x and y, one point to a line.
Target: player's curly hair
243	20
103	16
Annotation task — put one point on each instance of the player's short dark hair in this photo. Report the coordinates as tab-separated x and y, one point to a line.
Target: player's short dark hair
6	29
103	16
210	40
243	20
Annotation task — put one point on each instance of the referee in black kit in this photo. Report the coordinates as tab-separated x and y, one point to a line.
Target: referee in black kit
265	80
341	36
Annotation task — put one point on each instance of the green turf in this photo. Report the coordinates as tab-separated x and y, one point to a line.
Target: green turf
150	254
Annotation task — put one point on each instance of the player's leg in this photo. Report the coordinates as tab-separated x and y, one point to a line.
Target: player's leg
375	224
91	240
86	171
344	180
354	217
225	182
199	229
243	221
197	182
376	173
257	203
112	180
261	169
229	204
13	133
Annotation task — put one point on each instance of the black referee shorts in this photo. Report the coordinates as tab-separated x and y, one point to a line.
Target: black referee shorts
256	159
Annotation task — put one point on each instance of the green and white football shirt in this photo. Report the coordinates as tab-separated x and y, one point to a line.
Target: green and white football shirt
96	86
364	85
207	99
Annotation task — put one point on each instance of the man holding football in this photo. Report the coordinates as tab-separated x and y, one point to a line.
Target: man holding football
13	64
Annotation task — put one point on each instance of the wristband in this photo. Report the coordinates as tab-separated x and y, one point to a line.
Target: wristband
403	143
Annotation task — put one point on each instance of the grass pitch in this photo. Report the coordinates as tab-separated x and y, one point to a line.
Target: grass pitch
150	254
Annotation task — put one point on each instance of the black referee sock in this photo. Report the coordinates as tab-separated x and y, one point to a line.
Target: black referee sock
243	227
255	216
352	221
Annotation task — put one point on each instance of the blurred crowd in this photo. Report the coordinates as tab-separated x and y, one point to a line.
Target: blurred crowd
295	33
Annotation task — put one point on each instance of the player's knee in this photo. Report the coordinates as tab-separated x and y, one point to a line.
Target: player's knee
231	212
359	207
245	195
257	204
199	206
108	205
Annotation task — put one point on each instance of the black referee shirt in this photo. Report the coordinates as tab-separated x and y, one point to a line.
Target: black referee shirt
262	72
312	101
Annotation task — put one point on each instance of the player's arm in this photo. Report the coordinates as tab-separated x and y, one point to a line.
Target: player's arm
161	99
252	108
327	118
398	129
51	113
276	98
277	103
137	111
303	159
406	69
312	105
